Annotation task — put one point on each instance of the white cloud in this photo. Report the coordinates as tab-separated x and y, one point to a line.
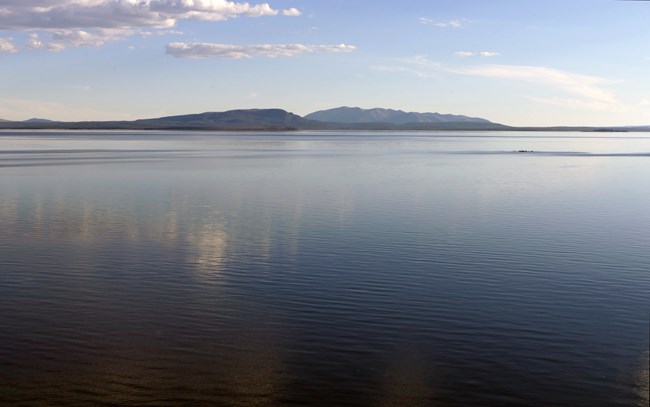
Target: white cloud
441	24
80	14
485	54
291	12
7	46
35	42
95	22
452	24
208	50
159	33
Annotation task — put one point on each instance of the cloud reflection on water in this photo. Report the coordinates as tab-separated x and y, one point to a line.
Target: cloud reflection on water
255	280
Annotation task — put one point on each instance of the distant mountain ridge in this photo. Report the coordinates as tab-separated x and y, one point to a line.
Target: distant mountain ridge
37	120
358	115
275	119
281	120
234	119
242	119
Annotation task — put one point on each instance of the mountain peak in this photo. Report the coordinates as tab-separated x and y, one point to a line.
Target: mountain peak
232	119
37	120
350	115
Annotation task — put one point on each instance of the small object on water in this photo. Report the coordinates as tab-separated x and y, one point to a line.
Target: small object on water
524	151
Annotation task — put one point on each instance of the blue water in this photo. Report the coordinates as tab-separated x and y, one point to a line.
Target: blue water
325	269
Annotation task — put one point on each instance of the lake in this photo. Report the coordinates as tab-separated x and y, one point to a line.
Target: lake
324	269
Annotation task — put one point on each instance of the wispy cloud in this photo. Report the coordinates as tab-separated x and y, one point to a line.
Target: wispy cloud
250	96
485	54
441	24
7	46
95	22
402	69
21	109
229	51
573	89
585	86
159	33
62	39
81	38
573	103
83	88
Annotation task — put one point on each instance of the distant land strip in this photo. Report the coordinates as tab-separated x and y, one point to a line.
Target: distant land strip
342	118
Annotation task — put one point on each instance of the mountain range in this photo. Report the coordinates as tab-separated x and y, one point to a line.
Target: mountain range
278	119
341	118
37	120
232	119
357	115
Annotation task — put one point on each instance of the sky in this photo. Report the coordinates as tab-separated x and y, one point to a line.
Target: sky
516	62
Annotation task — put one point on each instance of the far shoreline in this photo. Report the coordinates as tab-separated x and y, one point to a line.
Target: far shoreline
102	126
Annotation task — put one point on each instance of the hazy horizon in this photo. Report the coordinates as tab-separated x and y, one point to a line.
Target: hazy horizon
521	64
551	126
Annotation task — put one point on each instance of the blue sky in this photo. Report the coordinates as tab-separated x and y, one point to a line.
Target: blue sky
517	62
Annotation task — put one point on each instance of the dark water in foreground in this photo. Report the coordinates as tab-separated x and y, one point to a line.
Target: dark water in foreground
361	269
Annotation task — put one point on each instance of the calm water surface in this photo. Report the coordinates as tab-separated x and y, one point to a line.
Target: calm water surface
325	269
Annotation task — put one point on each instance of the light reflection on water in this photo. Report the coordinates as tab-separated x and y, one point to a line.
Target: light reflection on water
323	269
